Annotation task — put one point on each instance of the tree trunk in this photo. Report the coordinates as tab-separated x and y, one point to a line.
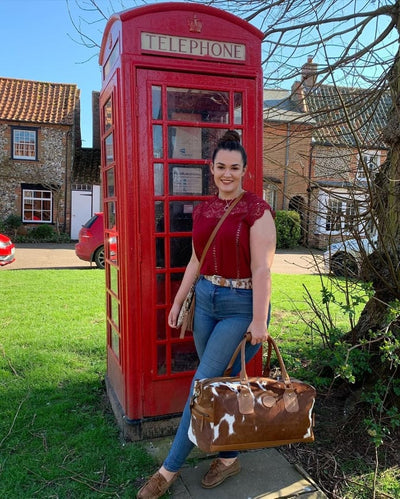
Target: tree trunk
383	266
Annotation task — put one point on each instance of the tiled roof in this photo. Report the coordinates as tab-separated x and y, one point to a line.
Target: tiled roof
367	115
278	106
37	102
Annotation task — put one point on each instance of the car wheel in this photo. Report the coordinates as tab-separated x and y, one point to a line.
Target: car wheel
99	257
344	265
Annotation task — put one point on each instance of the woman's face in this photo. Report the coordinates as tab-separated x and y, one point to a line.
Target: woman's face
228	172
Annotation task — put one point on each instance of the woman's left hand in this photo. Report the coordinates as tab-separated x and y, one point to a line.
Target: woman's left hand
259	332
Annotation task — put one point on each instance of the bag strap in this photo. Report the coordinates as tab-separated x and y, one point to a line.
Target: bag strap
243	374
214	232
228	370
267	365
284	373
207	247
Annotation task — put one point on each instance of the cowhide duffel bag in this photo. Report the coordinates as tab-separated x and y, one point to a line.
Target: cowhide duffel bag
239	413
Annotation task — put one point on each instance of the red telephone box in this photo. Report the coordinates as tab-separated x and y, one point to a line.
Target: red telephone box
175	77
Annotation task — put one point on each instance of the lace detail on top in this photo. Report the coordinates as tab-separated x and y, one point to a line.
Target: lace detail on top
251	204
229	255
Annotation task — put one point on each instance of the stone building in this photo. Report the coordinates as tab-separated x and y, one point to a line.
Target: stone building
39	136
322	147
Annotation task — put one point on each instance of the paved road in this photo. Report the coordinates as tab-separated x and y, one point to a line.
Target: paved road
40	256
45	256
298	261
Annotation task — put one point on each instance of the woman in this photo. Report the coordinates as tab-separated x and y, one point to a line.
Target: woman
232	295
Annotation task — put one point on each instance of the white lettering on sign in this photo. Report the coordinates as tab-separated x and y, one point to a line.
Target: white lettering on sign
193	47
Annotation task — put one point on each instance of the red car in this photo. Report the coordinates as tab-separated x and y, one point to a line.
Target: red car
91	241
7	250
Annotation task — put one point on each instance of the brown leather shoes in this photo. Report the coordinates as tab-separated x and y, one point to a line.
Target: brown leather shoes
218	473
155	487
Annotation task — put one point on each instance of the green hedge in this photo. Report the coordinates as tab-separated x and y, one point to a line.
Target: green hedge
287	229
10	225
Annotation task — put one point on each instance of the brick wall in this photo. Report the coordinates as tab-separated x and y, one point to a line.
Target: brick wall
286	158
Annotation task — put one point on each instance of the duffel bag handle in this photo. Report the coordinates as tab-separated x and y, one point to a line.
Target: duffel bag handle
228	370
243	374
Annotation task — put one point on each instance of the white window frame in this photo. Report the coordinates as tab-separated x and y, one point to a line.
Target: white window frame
41	202
346	210
24	141
270	195
372	159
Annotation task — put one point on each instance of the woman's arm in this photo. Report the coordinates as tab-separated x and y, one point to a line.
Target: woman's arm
187	281
262	251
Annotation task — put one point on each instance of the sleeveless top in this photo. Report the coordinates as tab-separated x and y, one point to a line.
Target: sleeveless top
229	254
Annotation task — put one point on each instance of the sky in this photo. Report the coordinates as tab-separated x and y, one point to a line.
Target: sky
39	42
36	44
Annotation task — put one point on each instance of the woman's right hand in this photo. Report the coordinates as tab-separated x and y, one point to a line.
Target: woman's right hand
258	331
173	315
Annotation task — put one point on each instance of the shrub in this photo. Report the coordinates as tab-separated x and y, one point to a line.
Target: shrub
42	234
287	229
11	224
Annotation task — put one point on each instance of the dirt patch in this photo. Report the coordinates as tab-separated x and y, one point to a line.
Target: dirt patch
342	448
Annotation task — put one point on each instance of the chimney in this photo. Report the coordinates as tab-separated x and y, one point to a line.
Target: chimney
297	96
95	120
309	73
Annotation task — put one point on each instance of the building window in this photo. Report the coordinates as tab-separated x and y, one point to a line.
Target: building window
24	144
81	187
341	213
333	215
270	196
37	205
368	165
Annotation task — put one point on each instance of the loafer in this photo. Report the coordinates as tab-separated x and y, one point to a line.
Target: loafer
218	473
155	487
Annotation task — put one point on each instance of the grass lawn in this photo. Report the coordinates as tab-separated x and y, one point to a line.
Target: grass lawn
58	437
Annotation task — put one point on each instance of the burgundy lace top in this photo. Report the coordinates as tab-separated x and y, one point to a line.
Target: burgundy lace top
229	254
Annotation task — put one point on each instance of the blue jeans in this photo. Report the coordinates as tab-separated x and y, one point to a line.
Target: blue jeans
222	316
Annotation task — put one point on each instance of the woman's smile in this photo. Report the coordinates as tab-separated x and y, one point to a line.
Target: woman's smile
228	172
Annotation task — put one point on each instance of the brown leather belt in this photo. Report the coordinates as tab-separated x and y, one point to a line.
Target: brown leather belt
229	283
